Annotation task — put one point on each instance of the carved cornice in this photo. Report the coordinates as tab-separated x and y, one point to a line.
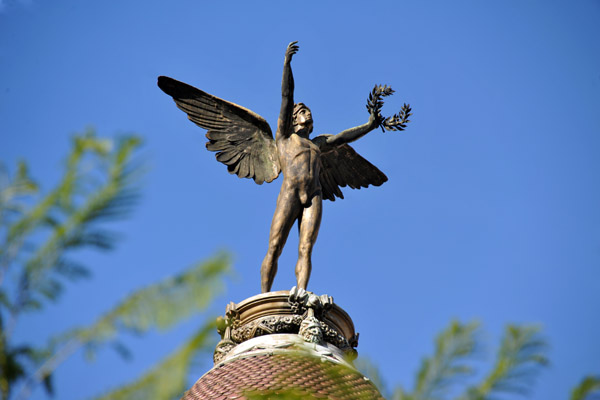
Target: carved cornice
316	319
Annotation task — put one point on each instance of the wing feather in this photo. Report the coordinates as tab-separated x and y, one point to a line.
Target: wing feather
342	166
242	139
244	167
217	146
258	170
229	157
250	166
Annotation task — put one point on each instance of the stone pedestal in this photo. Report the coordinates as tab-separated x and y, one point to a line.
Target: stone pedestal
292	343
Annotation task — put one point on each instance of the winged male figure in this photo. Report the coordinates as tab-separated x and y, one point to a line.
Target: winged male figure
313	169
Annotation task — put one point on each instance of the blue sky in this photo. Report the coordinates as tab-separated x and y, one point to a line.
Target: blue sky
491	208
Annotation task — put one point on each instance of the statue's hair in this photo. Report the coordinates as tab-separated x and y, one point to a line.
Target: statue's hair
298	107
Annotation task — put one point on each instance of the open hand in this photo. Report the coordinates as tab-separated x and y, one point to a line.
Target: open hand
291	50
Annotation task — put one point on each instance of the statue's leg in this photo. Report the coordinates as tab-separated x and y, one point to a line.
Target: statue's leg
309	229
286	213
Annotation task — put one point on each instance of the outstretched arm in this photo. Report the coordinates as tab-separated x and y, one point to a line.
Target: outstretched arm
352	134
285	121
396	122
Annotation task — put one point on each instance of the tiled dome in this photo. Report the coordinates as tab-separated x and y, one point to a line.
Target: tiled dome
303	375
285	343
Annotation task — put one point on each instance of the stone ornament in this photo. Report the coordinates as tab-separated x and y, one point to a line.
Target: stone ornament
310	330
315	319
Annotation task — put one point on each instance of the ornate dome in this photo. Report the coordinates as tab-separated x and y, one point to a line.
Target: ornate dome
285	345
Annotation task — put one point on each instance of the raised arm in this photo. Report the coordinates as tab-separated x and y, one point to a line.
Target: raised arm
285	121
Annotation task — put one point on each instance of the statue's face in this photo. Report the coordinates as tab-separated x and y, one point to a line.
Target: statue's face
311	331
303	122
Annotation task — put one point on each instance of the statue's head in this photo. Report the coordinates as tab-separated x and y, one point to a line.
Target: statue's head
303	122
310	330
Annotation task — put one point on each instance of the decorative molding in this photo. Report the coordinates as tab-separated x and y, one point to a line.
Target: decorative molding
315	319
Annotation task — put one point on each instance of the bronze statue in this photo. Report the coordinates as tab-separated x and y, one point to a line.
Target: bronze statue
312	169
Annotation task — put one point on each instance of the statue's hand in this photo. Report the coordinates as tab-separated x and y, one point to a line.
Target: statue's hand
375	118
291	50
375	102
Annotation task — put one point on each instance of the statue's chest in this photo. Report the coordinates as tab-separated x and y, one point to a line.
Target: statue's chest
299	151
303	143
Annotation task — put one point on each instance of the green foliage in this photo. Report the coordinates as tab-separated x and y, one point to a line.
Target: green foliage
290	394
338	374
98	185
157	306
454	346
588	389
520	357
521	354
368	368
167	379
38	234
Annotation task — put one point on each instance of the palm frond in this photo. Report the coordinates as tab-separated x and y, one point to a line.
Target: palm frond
454	347
400	394
63	192
11	207
588	389
521	355
371	371
77	229
21	185
289	394
167	379
157	306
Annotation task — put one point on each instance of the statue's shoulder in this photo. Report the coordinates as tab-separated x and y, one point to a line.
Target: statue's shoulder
321	139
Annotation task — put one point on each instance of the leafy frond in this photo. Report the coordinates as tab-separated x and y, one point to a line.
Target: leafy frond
99	239
11	206
113	197
157	306
454	346
10	189
375	101
66	217
397	122
167	379
14	363
289	394
521	355
400	394
37	233
588	389
63	191
371	371
283	389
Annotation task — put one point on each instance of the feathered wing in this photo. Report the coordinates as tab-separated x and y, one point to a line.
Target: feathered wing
341	166
242	139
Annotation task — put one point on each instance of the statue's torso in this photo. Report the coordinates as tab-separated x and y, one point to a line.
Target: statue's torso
299	159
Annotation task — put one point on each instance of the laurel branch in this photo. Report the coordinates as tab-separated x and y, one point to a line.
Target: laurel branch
396	122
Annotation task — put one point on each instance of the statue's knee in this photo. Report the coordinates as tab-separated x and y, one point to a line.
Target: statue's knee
274	247
304	250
